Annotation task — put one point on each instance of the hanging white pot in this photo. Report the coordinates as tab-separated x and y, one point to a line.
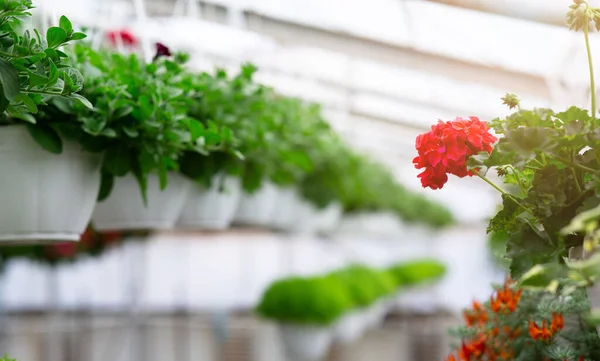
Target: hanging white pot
284	211
350	327
328	218
305	343
125	210
212	208
45	196
307	221
376	314
256	209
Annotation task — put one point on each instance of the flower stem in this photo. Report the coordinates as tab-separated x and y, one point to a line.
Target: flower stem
586	30
576	165
485	179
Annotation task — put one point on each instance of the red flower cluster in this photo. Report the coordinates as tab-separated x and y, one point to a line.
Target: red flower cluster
447	147
124	36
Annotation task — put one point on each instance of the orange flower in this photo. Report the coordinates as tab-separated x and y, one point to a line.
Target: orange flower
507	354
506	299
450	358
558	323
476	316
473	349
539	333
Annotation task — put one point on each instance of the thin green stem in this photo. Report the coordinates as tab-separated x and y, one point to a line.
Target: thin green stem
586	30
485	179
576	165
576	181
33	91
516	174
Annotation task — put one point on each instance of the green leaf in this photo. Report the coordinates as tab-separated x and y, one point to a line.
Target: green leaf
82	100
93	125
53	73
196	128
78	36
116	160
593	318
4	103
131	132
162	173
107	182
66	25
55	36
46	137
588	268
37	79
587	220
544	276
28	102
9	77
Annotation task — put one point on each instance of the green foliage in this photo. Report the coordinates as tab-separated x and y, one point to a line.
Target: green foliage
365	285
260	135
313	301
140	119
32	69
6	358
321	300
416	272
576	341
551	159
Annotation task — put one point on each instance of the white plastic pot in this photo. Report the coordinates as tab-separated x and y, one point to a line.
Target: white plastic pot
305	343
328	219
307	220
350	327
256	209
212	208
44	196
125	210
284	211
375	315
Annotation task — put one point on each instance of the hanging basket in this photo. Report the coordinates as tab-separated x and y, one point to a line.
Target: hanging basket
305	343
329	218
285	210
257	209
350	327
212	208
376	314
125	210
44	196
307	220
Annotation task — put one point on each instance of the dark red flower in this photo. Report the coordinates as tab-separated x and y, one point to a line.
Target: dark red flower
447	147
161	50
125	36
63	249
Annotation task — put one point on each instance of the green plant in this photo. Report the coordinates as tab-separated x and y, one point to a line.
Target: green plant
519	324
6	358
296	300
550	161
360	284
140	120
32	69
416	272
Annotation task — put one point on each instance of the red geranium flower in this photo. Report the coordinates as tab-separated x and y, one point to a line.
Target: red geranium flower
447	147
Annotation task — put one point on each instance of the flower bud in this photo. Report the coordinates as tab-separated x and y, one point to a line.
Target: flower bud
511	100
578	2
